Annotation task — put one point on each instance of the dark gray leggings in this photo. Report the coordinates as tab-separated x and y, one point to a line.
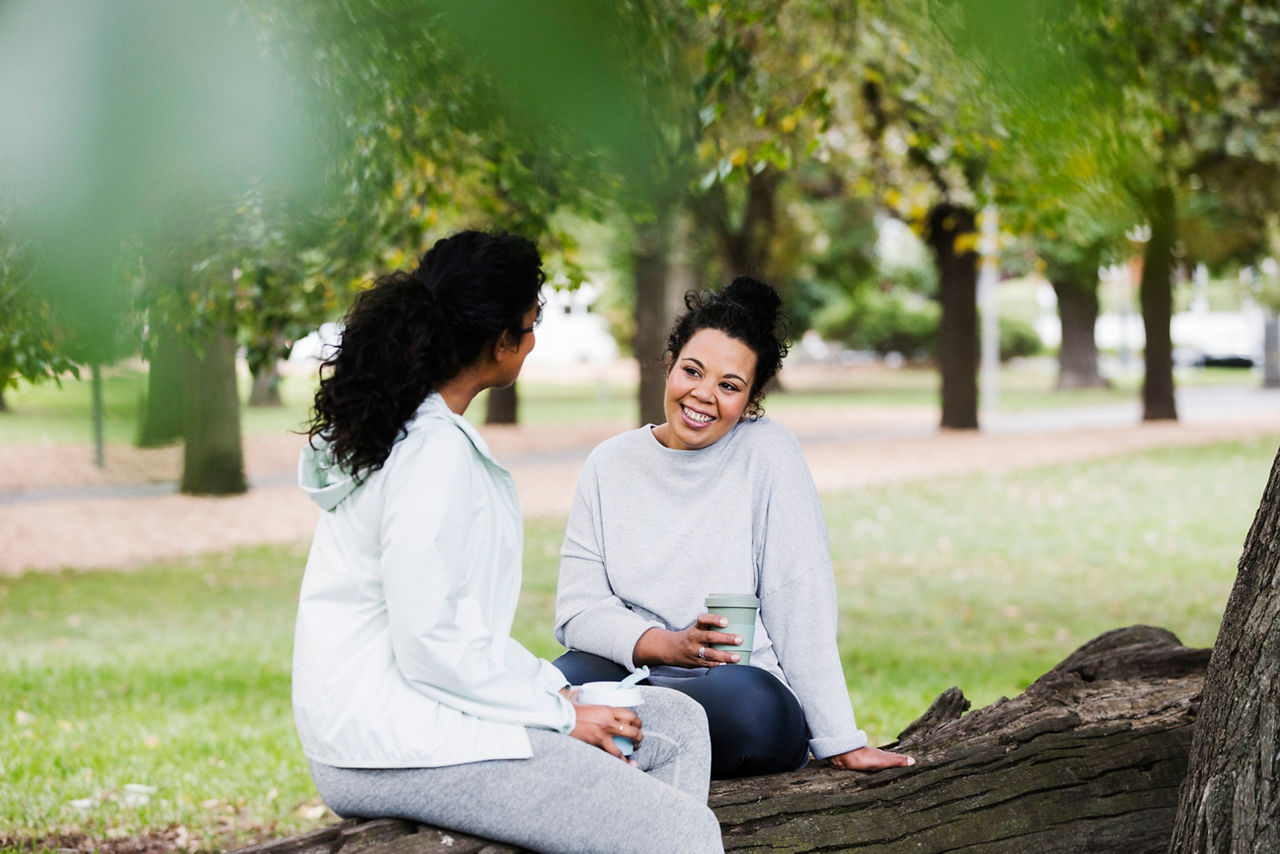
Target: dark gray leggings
569	797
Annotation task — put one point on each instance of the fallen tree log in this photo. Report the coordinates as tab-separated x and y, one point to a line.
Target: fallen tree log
1088	759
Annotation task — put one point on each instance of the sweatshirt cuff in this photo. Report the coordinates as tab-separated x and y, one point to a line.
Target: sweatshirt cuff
832	746
568	717
625	648
611	634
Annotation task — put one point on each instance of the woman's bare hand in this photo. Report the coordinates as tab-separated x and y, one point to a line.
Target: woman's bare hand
870	759
690	647
597	725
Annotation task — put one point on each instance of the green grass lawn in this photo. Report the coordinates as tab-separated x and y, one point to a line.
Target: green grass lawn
175	677
985	582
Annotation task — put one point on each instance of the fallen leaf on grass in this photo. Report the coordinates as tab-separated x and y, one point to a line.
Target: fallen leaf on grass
137	794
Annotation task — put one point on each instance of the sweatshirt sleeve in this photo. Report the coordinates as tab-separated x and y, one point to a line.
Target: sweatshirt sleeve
798	602
440	632
589	616
540	670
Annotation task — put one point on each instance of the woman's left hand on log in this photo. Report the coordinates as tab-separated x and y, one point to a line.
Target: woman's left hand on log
870	759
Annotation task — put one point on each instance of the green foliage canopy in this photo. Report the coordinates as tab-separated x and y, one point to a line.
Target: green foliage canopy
142	121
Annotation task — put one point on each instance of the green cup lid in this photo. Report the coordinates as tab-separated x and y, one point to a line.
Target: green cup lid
732	600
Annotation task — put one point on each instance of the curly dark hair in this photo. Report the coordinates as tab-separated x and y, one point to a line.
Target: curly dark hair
413	331
746	309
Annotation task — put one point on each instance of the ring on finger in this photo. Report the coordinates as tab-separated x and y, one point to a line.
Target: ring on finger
702	652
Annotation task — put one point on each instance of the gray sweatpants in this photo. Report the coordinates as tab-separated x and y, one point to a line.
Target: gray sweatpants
569	797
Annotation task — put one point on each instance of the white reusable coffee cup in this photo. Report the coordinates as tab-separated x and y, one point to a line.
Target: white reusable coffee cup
613	694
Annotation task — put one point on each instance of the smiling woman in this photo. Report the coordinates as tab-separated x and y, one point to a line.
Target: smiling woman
707	391
715	500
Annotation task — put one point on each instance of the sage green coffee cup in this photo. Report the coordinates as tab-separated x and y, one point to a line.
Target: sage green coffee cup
740	610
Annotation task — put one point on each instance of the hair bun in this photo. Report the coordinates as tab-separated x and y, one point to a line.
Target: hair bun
758	297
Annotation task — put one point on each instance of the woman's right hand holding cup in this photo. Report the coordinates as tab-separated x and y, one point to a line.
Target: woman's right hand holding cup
690	647
597	725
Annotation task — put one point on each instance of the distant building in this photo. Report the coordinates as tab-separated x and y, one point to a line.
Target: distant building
571	333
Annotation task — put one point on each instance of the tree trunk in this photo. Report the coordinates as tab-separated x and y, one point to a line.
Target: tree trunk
1270	350
213	459
958	327
743	240
1156	297
1088	759
1229	799
1078	352
162	408
99	417
649	255
265	389
1076	286
502	406
264	366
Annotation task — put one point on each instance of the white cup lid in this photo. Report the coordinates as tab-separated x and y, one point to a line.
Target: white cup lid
609	694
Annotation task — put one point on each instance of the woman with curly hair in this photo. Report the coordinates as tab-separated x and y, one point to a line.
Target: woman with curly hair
714	500
410	696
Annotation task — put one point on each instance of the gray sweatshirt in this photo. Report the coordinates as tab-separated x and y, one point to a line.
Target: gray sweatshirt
653	531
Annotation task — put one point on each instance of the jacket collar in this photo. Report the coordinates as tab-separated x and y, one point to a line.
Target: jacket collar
434	408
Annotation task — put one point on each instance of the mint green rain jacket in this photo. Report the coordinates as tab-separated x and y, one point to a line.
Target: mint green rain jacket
403	655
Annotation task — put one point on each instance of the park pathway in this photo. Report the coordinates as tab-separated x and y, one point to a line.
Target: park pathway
57	510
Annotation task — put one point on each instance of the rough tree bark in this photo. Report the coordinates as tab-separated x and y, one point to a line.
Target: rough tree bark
1156	297
1230	799
958	346
213	459
1088	759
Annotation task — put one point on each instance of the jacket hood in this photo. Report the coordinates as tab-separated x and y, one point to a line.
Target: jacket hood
328	485
318	476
